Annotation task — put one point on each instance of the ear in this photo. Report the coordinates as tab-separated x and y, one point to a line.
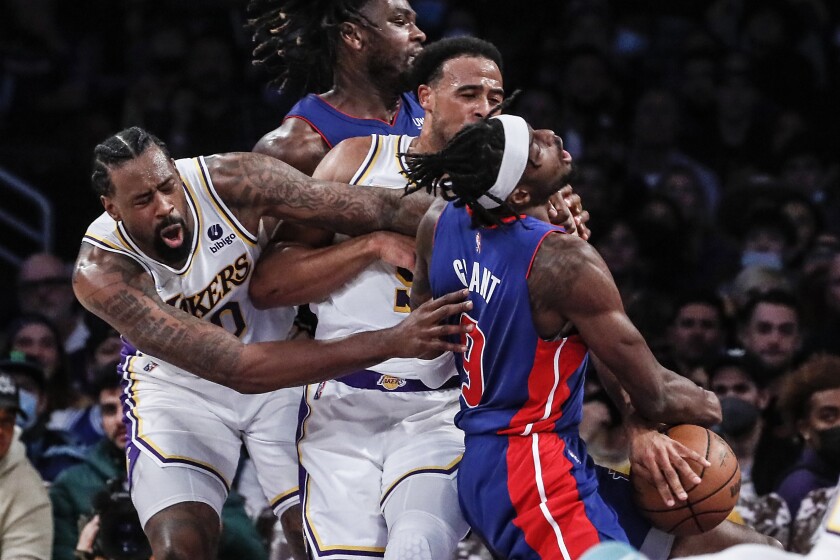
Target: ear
110	207
520	197
351	36
425	95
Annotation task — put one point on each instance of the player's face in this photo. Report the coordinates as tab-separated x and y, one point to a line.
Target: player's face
549	166
148	198
394	38
468	89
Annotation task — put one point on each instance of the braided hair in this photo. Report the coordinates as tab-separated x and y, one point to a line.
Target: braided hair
465	169
123	146
297	40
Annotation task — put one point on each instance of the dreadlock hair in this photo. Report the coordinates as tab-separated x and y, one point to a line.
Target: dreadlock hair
297	40
123	146
466	168
428	65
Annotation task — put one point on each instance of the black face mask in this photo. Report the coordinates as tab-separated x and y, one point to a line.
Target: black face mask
829	450
739	416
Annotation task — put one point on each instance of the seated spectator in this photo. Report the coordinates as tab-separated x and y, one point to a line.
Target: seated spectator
697	332
810	401
73	491
26	526
743	403
44	288
54	439
36	336
770	332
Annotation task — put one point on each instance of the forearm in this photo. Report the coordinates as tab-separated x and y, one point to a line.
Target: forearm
688	403
255	185
310	361
296	275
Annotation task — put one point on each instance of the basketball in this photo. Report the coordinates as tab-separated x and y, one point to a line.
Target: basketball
710	501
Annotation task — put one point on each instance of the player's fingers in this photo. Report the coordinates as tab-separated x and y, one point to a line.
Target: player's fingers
438	315
450	298
445	346
441	331
663	487
687	453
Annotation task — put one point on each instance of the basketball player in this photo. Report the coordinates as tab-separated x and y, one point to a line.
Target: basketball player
394	491
168	266
360	50
526	483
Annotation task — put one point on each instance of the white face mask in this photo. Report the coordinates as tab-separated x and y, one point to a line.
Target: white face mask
29	406
765	259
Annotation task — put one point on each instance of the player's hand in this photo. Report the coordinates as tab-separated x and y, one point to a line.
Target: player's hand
394	248
565	209
663	462
424	333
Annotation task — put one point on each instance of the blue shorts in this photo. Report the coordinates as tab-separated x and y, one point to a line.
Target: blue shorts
534	497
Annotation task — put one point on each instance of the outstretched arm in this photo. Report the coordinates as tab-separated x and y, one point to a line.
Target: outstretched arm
303	266
120	291
255	185
570	282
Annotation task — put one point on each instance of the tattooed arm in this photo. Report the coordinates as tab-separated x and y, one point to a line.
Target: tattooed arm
570	282
302	265
254	185
120	292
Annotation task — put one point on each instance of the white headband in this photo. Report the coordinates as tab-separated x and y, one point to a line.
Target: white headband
514	160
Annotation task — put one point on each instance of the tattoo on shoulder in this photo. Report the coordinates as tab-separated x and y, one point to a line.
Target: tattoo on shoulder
556	269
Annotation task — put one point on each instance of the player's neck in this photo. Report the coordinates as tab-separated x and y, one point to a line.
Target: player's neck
363	99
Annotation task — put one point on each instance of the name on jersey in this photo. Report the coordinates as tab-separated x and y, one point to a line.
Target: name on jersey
202	302
222	243
481	280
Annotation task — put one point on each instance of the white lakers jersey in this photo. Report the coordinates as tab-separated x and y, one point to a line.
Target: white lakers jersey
213	283
379	296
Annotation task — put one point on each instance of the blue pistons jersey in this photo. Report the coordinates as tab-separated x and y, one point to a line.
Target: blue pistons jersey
513	382
335	126
526	483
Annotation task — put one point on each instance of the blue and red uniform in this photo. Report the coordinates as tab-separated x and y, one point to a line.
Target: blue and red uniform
335	126
526	483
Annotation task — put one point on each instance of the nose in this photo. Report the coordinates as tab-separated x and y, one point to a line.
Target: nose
164	206
417	34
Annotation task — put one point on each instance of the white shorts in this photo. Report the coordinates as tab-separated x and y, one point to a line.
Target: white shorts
356	446
182	421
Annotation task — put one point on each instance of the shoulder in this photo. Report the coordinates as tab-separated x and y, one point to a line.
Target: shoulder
562	262
341	163
296	143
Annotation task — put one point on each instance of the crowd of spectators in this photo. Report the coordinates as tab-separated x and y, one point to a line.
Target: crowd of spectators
704	137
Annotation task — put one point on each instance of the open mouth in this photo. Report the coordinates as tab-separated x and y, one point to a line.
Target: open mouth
173	235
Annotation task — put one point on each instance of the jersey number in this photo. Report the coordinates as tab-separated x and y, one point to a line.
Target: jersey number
402	296
473	359
229	317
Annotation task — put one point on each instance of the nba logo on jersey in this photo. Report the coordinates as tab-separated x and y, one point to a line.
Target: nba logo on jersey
477	242
149	367
390	382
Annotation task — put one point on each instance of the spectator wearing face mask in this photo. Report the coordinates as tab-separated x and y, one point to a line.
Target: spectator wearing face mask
810	400
743	403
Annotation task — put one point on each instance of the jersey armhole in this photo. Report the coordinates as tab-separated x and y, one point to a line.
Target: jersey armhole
537	248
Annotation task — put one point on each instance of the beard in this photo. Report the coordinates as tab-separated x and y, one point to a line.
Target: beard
173	254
